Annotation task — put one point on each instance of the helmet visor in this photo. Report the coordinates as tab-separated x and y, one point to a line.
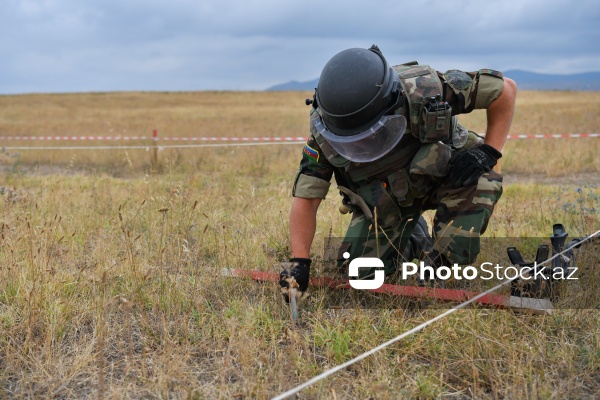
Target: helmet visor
368	145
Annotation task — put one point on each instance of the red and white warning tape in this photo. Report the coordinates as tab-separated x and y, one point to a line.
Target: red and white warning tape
80	138
238	139
248	139
145	146
548	136
175	139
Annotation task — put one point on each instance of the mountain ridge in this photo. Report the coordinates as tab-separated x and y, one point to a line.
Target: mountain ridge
526	80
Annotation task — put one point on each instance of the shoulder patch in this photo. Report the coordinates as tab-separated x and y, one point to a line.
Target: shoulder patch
458	79
491	72
311	153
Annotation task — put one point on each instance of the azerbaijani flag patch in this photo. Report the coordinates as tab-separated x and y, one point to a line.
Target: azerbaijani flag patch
311	153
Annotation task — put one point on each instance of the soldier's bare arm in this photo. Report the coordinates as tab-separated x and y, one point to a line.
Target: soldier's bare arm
303	222
499	115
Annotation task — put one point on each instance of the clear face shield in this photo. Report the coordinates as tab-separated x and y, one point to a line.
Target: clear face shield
366	146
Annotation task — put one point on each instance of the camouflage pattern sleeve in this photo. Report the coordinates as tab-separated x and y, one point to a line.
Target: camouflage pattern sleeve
466	91
314	174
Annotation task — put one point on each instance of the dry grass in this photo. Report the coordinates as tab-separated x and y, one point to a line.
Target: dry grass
255	114
110	279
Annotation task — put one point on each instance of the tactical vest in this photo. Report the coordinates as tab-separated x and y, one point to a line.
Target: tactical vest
429	117
424	150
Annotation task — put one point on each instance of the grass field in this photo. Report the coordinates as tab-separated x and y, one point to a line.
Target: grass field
110	272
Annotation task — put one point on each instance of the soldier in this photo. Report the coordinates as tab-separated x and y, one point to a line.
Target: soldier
391	138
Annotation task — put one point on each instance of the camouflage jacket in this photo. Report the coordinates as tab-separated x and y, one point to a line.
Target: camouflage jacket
411	169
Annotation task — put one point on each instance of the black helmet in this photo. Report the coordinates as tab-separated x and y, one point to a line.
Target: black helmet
355	89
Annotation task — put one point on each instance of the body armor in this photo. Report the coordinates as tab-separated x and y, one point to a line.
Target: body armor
420	158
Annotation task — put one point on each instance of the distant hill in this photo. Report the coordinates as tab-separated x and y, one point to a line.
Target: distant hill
525	81
533	81
295	86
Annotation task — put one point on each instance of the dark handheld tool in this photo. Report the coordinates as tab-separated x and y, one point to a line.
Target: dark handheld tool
544	279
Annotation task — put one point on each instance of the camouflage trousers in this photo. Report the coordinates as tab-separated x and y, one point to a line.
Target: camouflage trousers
461	217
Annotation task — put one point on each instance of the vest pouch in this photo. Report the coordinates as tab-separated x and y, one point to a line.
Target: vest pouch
435	120
407	187
432	159
376	196
419	187
460	134
399	185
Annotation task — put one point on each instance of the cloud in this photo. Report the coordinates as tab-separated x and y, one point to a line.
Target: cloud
105	45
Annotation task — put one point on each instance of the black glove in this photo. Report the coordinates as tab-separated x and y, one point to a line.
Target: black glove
467	166
297	274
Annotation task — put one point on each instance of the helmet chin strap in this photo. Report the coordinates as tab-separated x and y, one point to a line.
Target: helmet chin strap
397	96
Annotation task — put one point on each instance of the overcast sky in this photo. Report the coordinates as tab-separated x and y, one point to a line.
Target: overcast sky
122	45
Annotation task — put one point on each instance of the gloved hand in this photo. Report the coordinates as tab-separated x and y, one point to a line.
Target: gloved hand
296	274
467	166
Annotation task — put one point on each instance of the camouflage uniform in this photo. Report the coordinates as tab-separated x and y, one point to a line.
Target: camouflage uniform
410	179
